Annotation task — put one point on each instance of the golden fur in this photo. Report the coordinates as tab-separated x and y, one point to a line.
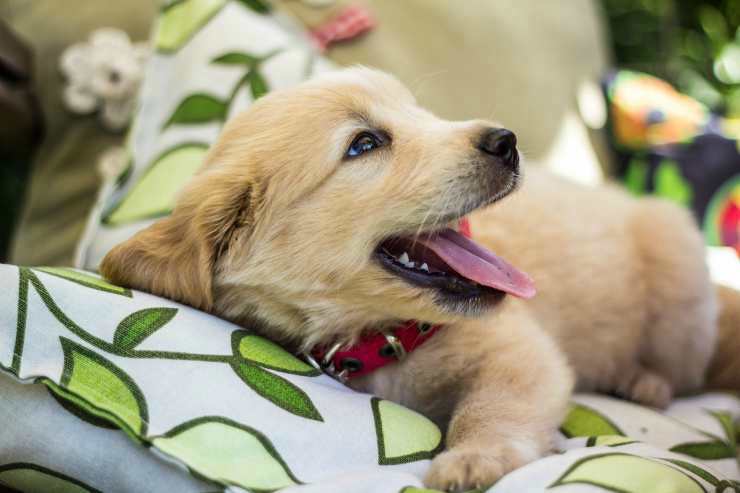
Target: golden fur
277	232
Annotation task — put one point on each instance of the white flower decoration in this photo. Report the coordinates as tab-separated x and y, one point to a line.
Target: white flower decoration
104	74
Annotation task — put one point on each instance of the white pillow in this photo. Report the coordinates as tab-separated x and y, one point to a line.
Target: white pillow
223	403
211	59
81	358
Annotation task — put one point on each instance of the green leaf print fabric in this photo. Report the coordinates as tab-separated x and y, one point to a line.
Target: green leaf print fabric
230	407
93	374
211	59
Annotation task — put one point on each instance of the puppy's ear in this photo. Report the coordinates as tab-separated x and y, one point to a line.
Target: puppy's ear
175	257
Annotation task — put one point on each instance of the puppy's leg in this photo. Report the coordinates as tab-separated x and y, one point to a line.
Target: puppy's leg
508	408
724	372
681	318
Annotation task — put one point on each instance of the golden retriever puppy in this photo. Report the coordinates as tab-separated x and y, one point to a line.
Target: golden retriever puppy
328	211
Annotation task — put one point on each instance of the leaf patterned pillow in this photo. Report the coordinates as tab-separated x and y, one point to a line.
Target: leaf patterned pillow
225	404
211	59
100	383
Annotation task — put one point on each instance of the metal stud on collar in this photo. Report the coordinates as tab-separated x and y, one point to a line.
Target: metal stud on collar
326	361
398	350
326	364
340	376
311	360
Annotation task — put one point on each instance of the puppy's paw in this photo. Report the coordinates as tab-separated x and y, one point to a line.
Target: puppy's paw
463	469
650	389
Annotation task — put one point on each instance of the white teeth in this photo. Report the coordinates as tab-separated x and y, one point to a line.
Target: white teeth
406	262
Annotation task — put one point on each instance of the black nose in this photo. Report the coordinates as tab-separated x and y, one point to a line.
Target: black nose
500	143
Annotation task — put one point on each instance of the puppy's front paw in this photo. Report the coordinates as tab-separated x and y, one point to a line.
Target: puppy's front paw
462	469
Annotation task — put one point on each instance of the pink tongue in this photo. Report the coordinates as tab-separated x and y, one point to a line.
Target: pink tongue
475	263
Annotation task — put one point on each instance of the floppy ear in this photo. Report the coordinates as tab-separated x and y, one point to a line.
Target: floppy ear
175	257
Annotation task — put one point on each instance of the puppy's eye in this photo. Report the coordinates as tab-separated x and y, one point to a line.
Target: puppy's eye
364	142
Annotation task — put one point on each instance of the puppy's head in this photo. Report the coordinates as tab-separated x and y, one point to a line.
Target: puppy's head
326	209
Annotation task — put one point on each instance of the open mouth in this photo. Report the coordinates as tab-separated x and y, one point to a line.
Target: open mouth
454	265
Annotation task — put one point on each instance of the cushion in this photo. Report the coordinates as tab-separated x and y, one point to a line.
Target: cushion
211	58
108	389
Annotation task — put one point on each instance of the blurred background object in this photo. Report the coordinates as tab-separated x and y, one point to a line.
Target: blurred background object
675	114
20	127
63	183
694	44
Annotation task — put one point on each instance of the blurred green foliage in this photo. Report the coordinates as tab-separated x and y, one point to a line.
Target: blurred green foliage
694	44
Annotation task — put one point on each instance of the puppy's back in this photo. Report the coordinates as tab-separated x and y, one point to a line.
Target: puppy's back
619	279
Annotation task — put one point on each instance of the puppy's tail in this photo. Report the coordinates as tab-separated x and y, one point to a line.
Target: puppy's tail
724	370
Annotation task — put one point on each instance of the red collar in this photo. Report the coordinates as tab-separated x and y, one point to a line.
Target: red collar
373	351
376	350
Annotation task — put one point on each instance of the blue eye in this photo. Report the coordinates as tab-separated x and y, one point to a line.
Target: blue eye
363	143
